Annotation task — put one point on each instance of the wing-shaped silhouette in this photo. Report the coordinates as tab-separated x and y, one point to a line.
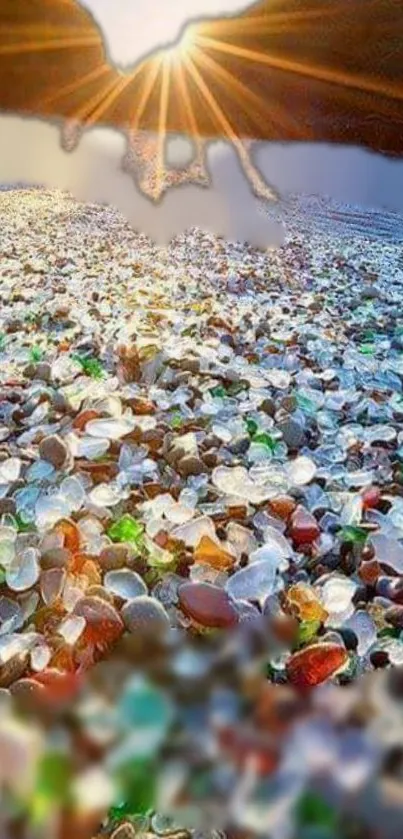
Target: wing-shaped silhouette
322	70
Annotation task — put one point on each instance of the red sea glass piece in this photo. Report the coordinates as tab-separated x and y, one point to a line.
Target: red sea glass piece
313	665
304	527
371	498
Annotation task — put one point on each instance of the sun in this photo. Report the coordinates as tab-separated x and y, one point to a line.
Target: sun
184	47
188	40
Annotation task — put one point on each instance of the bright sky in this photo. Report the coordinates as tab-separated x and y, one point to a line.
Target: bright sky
133	28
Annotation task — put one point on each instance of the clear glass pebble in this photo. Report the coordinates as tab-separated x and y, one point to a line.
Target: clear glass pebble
125	583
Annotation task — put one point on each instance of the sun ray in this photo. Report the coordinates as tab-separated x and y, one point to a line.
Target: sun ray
162	123
73	87
189	110
236	88
29	30
110	97
47	45
83	113
152	70
270	22
258	184
359	83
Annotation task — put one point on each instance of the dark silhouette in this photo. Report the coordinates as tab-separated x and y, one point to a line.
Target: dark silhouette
335	72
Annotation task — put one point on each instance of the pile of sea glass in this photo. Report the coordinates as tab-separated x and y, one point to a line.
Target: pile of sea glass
201	531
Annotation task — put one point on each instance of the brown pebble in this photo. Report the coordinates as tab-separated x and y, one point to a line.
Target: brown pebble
129	363
210	458
153	438
191	364
174	449
207	604
43	371
113	557
60	403
289	403
83	417
7	505
54	450
190	465
55	558
13	326
268	406
13	670
29	371
211	441
140	405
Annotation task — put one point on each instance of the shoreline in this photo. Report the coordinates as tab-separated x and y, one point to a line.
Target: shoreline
301	214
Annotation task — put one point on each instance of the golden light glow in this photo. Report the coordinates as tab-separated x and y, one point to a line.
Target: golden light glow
303	69
184	47
187	41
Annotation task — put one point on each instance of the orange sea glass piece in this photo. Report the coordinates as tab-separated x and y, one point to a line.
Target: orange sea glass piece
83	417
83	565
303	602
283	506
209	553
141	406
47	618
71	535
104	624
